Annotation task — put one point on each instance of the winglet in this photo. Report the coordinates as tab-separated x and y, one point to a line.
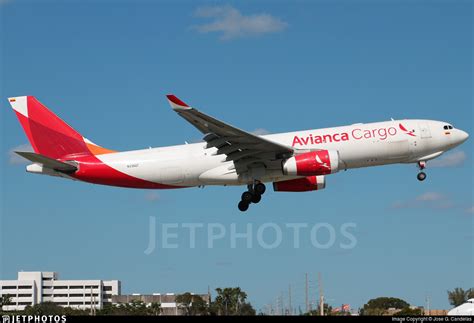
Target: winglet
176	103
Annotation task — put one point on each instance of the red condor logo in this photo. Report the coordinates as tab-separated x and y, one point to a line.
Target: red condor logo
355	134
408	132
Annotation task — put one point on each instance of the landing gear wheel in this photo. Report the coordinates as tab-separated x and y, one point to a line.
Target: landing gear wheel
421	176
247	197
243	206
256	198
260	188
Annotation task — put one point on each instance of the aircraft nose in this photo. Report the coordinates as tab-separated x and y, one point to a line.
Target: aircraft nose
463	136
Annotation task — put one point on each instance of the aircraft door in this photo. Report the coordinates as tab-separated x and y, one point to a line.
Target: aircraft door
424	130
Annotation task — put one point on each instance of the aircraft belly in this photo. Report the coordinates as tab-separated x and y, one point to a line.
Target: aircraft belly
220	175
157	168
375	153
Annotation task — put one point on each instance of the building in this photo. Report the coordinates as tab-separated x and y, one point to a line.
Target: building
32	288
435	312
167	301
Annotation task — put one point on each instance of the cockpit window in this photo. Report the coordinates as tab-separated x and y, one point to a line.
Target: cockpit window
447	127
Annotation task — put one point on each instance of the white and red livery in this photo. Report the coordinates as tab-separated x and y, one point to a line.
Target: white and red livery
294	162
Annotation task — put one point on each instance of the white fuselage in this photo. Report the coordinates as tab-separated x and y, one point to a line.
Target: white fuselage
358	145
464	309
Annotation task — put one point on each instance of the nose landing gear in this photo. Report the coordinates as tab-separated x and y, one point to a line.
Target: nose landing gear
421	175
253	195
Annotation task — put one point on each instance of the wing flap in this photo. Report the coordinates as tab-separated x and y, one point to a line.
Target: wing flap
235	143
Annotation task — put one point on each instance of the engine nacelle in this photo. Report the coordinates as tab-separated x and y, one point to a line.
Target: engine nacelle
310	183
320	162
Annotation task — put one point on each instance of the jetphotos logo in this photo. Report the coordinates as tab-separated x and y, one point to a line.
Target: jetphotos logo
34	318
354	134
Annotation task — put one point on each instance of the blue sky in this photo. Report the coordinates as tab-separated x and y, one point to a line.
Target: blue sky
105	67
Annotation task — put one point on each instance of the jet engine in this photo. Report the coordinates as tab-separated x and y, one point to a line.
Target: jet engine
320	162
305	184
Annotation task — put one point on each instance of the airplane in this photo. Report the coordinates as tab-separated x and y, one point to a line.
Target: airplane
466	308
294	162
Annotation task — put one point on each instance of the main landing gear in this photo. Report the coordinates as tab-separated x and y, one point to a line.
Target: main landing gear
421	175
253	195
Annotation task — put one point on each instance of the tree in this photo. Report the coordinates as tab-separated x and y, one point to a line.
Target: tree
380	305
231	301
155	309
238	298
5	300
50	308
46	308
223	301
108	309
199	306
191	304
247	309
407	311
459	296
372	311
135	307
327	310
470	293
183	301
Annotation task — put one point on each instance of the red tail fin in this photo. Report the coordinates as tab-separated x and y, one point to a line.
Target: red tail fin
48	134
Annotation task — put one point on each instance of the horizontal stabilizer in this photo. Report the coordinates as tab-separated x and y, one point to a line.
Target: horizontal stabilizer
48	162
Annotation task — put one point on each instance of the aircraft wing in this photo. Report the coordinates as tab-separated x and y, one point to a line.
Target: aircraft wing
238	145
48	162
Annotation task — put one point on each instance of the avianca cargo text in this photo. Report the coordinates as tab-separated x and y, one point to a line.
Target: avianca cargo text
355	134
292	162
